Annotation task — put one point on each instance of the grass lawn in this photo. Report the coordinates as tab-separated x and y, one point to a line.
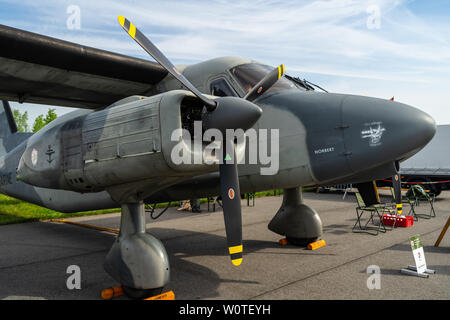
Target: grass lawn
14	211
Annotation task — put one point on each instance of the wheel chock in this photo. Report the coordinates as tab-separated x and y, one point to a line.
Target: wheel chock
163	296
316	245
110	293
283	242
84	225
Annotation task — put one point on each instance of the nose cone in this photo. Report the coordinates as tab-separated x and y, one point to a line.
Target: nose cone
232	113
380	130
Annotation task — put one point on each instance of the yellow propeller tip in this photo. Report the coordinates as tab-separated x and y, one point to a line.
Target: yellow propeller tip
280	70
121	20
237	262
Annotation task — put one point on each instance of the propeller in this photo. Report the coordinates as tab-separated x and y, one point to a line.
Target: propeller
221	113
265	84
396	184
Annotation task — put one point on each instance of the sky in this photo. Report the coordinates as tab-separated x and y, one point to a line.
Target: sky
379	48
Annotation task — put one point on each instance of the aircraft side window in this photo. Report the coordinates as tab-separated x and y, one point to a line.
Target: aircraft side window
221	88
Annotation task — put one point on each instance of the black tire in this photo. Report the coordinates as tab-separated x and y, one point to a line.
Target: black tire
436	190
301	242
432	188
136	294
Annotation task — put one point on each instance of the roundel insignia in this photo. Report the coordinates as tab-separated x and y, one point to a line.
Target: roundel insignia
260	89
396	177
34	157
231	193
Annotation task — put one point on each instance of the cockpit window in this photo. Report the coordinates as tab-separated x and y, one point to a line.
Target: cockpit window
248	75
221	88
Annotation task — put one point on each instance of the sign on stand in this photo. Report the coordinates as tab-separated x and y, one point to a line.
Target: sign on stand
419	255
420	269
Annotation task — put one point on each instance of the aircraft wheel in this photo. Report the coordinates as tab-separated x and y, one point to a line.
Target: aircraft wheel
436	190
134	293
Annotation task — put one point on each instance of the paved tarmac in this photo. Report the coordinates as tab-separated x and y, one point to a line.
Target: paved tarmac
34	256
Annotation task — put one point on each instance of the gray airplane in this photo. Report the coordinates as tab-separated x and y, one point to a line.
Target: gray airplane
116	149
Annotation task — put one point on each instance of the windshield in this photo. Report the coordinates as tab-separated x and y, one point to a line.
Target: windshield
248	75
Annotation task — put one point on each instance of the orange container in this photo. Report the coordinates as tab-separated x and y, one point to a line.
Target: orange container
163	296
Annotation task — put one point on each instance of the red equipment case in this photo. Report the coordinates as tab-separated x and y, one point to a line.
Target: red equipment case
402	221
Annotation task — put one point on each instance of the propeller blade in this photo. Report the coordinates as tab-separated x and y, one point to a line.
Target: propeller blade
397	185
231	201
151	49
265	84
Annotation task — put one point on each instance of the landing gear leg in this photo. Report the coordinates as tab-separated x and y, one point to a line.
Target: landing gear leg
137	260
298	222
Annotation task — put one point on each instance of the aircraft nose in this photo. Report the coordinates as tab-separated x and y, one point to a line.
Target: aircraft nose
423	127
349	135
379	130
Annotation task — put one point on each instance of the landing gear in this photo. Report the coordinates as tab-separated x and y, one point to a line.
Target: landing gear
298	222
137	260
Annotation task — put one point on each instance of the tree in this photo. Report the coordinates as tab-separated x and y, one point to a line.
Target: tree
38	123
51	115
41	122
21	120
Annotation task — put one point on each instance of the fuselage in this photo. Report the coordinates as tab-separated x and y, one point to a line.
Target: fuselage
324	138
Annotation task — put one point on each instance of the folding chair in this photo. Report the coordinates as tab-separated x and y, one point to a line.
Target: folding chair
214	201
249	196
375	209
407	201
418	194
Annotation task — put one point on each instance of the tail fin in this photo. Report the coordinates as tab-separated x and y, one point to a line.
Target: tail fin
7	124
8	127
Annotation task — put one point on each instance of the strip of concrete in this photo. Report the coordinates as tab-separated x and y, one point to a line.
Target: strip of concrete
34	257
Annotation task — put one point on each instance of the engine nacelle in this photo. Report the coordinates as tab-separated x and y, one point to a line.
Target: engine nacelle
129	141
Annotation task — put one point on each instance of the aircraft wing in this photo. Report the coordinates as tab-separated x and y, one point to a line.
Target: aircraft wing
40	69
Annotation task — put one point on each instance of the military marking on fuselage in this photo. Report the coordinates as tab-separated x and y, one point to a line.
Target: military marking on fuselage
34	157
374	132
49	153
